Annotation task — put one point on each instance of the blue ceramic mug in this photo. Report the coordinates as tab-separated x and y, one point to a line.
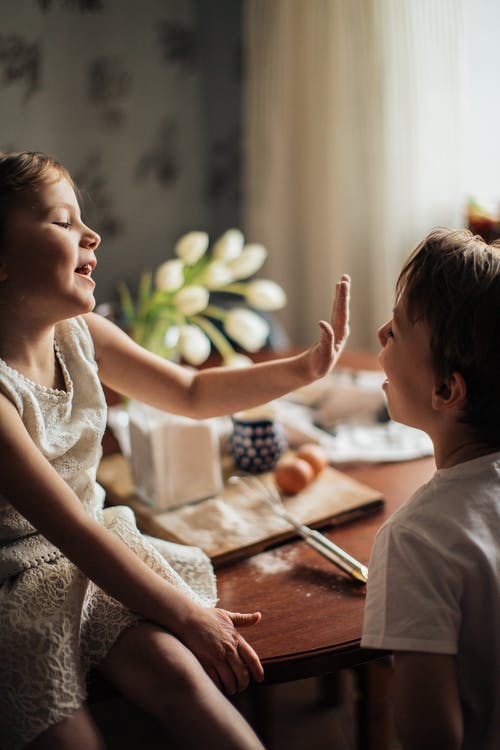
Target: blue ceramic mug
258	440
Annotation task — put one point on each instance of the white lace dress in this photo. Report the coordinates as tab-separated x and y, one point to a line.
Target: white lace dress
55	624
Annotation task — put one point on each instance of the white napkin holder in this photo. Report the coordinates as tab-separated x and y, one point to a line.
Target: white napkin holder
174	460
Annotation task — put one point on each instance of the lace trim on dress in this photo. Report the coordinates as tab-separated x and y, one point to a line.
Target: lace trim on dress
186	568
67	377
25	553
45	389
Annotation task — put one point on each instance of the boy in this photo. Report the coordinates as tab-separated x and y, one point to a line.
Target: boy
434	591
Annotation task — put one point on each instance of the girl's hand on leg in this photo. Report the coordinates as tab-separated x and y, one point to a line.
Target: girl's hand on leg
222	651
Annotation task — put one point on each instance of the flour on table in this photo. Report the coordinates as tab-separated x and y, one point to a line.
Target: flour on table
272	562
233	519
240	518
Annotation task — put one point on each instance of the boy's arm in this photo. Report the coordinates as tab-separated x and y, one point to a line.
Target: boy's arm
427	705
137	373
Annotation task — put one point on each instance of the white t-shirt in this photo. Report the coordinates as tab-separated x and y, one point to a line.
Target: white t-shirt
434	586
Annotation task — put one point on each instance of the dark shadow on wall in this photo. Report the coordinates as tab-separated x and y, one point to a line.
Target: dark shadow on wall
146	116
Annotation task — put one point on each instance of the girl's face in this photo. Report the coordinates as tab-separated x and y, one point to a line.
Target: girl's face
47	254
407	362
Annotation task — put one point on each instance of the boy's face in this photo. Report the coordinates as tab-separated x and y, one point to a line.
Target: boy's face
407	362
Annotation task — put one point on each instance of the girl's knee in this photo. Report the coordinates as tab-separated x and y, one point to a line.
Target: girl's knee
177	674
152	666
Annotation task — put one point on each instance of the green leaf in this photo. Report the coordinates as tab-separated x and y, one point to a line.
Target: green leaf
126	302
144	292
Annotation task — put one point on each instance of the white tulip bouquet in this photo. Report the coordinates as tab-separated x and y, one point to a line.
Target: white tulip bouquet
174	315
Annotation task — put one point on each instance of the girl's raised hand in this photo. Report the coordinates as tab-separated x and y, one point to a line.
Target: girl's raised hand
222	651
323	355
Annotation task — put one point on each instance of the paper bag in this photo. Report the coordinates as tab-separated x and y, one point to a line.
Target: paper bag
174	460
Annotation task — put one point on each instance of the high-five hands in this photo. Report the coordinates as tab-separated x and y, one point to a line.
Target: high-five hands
323	355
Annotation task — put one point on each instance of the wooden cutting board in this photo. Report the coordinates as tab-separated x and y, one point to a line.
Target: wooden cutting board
239	522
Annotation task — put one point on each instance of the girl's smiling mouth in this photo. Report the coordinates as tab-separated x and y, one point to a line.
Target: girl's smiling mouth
85	269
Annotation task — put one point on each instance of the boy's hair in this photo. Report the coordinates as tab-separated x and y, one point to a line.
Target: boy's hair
22	171
452	282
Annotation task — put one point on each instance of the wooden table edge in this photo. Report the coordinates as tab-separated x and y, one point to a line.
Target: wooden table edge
298	666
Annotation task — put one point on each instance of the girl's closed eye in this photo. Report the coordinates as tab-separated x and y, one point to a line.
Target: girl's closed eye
64	224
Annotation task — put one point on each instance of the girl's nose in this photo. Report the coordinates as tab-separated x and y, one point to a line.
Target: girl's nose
91	239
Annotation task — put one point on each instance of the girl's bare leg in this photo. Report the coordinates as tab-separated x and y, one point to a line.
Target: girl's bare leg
77	732
157	672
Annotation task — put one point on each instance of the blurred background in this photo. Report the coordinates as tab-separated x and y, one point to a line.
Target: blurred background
335	132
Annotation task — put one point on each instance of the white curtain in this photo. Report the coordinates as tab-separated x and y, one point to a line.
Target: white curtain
353	142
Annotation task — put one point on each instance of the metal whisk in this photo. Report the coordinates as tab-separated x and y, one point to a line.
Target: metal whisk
316	540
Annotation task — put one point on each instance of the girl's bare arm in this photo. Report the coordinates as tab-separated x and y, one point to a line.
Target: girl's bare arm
35	489
137	373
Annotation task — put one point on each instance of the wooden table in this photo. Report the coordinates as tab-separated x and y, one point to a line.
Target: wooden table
312	612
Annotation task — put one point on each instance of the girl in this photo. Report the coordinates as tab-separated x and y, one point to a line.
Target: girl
80	587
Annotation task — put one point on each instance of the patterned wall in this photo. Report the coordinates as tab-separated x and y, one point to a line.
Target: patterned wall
140	100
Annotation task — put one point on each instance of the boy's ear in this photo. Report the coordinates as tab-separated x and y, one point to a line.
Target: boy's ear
450	395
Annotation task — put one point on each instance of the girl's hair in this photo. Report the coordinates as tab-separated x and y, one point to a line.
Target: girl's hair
452	282
23	171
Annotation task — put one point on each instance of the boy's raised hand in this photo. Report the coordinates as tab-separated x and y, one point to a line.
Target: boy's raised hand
333	336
